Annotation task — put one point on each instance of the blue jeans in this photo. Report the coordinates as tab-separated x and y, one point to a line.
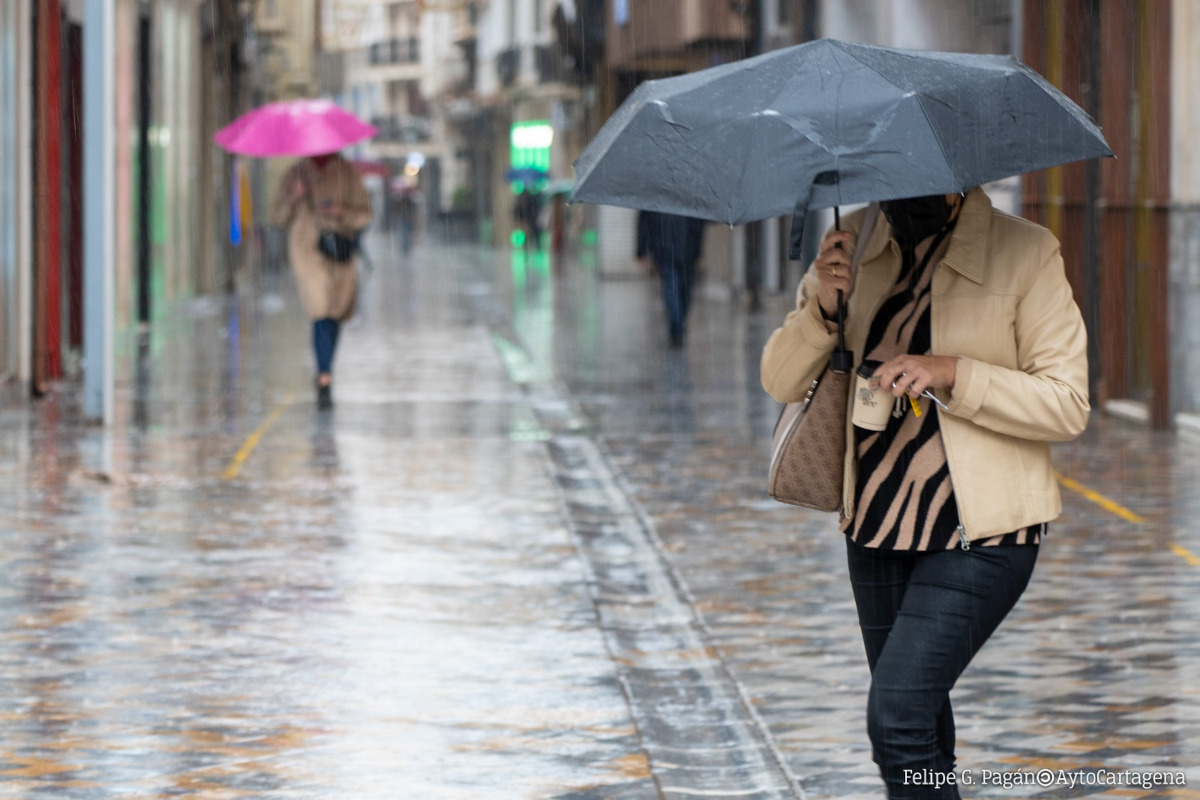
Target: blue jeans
678	278
923	617
325	336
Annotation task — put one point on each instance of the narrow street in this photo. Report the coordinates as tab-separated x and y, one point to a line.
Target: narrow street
529	554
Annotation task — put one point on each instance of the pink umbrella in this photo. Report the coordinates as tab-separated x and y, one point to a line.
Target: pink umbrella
293	128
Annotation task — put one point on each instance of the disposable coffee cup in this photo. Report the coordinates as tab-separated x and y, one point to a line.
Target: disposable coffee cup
872	404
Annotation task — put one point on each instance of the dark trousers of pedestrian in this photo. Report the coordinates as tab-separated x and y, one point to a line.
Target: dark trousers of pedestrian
325	337
923	617
678	278
406	236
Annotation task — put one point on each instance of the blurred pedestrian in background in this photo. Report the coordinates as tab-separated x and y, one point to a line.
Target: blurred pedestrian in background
317	196
674	244
403	210
944	508
406	217
527	211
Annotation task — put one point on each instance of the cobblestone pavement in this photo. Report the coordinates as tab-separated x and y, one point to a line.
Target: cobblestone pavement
528	555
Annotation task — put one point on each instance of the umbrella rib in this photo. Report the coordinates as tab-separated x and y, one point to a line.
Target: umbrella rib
937	138
920	103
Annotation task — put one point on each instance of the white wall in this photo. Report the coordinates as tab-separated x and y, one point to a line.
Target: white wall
1185	101
1184	270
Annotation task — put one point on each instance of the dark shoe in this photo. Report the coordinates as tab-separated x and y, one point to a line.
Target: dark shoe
676	340
324	397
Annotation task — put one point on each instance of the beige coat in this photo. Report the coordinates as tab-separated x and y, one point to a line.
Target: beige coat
327	288
1001	304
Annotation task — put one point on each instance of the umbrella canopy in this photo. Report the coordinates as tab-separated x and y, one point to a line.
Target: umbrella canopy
827	123
525	174
293	128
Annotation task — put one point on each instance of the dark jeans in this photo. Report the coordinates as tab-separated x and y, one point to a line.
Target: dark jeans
678	278
325	336
924	616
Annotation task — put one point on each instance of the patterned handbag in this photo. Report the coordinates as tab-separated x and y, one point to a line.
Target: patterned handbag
808	447
810	444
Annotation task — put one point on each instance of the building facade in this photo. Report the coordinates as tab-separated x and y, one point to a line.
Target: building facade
1129	225
170	71
395	59
512	99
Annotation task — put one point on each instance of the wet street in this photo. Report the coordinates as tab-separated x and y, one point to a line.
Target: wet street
529	554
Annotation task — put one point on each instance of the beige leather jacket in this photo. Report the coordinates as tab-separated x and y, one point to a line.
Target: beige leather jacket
1001	304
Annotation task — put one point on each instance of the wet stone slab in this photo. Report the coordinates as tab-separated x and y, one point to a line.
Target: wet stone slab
701	737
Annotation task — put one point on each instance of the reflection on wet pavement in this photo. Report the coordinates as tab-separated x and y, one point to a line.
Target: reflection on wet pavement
382	602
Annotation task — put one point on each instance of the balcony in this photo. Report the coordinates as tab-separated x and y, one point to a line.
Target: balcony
395	51
403	128
508	66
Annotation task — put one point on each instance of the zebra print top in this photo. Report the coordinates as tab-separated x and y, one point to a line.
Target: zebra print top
904	495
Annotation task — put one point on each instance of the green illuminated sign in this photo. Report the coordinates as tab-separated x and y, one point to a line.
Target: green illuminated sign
530	145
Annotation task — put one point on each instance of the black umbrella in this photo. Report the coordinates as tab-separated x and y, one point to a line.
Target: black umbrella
828	123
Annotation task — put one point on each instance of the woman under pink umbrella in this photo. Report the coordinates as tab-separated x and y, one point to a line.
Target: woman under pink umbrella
320	194
323	203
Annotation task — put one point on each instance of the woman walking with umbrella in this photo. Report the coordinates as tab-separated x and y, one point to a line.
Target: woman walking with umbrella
966	310
321	194
323	203
970	317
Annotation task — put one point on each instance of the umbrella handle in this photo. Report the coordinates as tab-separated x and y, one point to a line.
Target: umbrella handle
841	360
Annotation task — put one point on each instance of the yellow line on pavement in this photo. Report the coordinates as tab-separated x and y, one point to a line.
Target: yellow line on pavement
1108	505
235	464
1187	555
1124	513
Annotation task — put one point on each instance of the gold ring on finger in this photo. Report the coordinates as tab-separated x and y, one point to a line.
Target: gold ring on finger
833	271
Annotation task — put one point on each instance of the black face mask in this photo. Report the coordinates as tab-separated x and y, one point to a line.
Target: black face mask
914	219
